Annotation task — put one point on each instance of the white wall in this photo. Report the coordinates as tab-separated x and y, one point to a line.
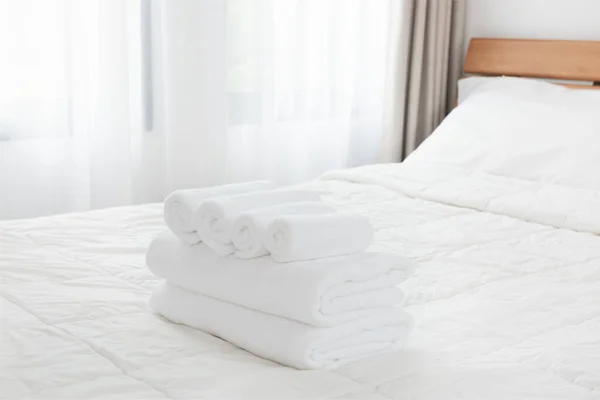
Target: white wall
536	19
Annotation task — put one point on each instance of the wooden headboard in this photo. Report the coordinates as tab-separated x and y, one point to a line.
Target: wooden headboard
548	59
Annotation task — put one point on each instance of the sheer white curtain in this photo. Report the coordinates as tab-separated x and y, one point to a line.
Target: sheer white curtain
70	106
230	90
276	89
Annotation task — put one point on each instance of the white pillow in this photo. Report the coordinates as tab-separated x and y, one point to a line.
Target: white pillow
521	88
521	128
467	86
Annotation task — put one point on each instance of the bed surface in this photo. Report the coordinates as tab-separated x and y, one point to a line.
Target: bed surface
506	305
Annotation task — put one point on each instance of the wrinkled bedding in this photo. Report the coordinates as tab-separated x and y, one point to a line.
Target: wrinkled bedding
506	300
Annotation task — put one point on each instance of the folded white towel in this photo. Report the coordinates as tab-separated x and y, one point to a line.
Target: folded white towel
307	237
322	292
249	227
180	206
221	249
279	339
214	218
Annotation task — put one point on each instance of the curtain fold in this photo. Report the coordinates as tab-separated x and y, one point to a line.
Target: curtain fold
426	67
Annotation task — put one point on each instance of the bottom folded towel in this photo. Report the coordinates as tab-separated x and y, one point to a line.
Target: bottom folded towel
279	339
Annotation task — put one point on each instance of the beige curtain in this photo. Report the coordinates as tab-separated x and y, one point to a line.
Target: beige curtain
424	72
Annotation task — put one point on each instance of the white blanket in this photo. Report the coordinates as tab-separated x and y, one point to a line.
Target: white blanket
553	205
503	308
307	237
323	292
249	228
179	206
214	218
279	339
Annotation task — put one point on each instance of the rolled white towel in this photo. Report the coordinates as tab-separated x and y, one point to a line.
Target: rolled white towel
214	218
179	206
282	340
249	227
308	237
322	292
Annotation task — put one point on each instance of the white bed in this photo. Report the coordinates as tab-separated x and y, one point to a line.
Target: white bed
506	296
504	308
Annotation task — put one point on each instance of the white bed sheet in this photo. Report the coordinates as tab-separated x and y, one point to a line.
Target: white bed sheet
504	308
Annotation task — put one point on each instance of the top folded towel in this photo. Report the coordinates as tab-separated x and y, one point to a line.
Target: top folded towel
180	206
249	228
323	292
215	217
308	237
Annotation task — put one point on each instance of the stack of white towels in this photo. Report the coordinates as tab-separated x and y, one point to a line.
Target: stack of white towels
278	273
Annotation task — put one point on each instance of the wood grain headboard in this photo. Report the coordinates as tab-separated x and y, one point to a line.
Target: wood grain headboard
548	59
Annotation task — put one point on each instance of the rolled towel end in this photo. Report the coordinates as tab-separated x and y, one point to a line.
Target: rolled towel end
178	213
247	238
211	223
